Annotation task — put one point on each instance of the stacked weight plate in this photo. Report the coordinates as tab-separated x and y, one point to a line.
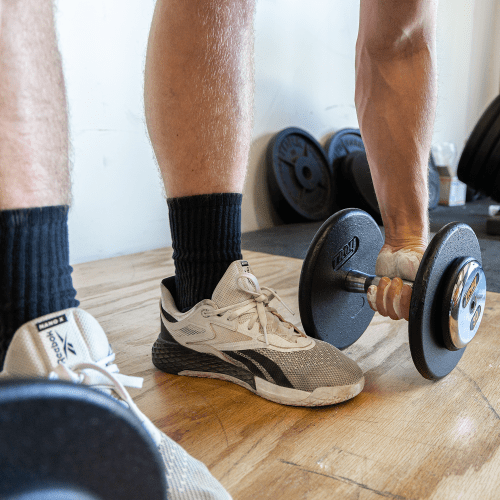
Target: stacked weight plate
346	153
307	184
479	165
299	177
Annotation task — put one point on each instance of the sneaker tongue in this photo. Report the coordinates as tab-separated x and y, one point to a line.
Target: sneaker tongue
227	291
70	337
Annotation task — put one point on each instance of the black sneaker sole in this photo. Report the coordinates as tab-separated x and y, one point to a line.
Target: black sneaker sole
174	358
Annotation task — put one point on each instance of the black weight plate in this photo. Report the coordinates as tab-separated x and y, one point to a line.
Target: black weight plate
489	185
356	172
491	164
483	170
299	177
430	355
70	438
338	146
346	195
352	177
362	177
467	167
343	142
349	239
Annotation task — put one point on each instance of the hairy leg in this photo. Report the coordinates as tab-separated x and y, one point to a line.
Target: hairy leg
35	275
199	99
199	94
33	120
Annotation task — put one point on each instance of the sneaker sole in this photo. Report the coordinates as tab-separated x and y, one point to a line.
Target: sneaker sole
179	360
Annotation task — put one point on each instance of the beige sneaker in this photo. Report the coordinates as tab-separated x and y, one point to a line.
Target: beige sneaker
70	345
236	336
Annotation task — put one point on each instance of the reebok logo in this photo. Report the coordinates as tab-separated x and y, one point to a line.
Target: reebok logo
50	323
60	346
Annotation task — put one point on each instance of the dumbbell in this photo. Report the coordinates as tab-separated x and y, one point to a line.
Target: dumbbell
479	165
448	294
65	441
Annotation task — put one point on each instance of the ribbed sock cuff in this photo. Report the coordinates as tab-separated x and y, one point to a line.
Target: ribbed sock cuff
35	275
206	238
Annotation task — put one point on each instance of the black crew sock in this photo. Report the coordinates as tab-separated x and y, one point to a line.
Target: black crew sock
35	275
206	237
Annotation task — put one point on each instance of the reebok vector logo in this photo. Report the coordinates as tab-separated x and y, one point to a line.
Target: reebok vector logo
60	346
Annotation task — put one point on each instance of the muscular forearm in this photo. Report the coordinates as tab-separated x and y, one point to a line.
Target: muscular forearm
396	101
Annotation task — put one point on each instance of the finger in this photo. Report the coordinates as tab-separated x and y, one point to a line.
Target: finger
393	298
404	304
372	297
381	295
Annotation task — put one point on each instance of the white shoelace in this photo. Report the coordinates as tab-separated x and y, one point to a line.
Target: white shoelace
258	305
105	376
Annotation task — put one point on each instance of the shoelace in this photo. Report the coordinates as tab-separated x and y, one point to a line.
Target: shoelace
104	375
259	301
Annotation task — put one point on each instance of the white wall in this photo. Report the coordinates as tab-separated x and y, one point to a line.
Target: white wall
118	205
304	77
304	71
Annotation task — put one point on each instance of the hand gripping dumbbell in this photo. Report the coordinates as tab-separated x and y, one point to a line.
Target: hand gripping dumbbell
448	294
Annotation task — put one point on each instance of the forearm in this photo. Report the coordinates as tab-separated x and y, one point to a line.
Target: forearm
396	93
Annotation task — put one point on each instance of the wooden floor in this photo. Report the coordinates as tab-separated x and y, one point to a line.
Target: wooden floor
403	437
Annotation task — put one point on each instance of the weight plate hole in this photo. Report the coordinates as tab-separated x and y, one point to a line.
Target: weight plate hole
473	304
306	172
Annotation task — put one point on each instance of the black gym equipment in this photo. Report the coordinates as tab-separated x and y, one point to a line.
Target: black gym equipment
448	296
299	177
350	172
352	177
479	165
61	440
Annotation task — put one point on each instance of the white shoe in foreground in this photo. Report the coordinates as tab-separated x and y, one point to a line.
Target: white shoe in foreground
71	345
236	336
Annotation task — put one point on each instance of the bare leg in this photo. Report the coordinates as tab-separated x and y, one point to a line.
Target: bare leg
33	121
198	100
35	275
396	94
198	94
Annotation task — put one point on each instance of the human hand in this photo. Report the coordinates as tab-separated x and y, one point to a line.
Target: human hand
391	297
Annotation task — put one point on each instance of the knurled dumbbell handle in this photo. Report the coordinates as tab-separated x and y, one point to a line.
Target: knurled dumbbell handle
358	282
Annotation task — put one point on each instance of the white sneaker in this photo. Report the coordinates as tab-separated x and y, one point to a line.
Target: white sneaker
71	345
237	337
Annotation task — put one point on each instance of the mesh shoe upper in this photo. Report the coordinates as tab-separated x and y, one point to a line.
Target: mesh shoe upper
71	345
238	326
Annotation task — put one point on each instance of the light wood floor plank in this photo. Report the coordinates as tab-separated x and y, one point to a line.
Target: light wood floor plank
403	437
